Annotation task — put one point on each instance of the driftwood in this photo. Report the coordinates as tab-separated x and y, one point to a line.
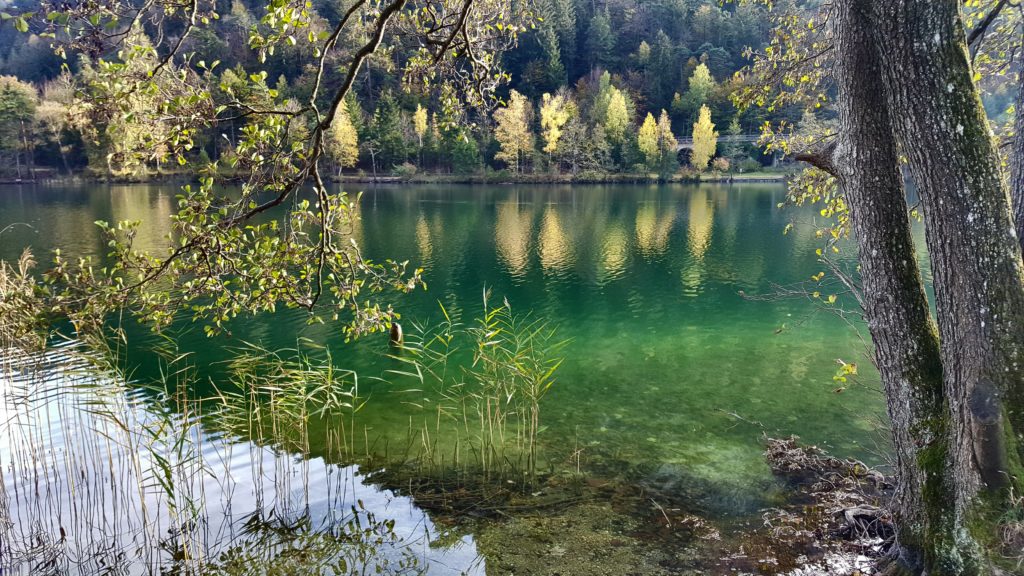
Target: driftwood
847	496
863	523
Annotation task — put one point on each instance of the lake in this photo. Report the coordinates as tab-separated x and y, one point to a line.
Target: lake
685	345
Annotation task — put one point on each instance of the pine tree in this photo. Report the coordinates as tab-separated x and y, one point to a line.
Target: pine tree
734	150
563	18
386	130
554	69
664	64
705	140
603	94
462	149
701	86
643	54
600	40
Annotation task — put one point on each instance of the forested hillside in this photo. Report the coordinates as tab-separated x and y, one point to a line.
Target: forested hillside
592	86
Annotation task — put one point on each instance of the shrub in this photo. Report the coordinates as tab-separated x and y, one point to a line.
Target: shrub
750	165
405	170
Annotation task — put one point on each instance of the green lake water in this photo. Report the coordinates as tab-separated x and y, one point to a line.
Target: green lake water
669	371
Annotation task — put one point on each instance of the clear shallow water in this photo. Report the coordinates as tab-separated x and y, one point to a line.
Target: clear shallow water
669	371
81	492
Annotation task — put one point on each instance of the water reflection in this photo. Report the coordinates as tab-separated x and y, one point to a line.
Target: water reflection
151	205
513	230
654	225
554	246
698	233
423	241
701	222
644	281
97	479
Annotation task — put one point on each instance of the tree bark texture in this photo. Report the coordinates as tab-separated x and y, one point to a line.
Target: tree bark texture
975	254
906	343
1017	164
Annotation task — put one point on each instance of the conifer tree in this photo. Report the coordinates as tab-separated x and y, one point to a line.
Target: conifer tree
600	40
701	85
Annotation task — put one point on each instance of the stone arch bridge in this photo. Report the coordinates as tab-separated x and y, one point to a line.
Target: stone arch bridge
687	143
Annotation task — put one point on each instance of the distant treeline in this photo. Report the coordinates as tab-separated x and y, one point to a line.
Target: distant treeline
607	86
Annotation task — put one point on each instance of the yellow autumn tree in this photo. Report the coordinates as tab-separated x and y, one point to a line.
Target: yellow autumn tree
667	146
342	143
647	141
420	126
554	113
705	140
419	122
513	130
617	118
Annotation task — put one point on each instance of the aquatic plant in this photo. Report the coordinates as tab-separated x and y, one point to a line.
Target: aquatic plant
494	398
103	474
282	391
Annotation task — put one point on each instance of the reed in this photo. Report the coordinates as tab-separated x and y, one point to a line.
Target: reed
102	474
491	400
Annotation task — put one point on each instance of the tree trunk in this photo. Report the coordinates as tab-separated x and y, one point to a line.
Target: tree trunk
1017	163
906	344
29	160
975	255
63	152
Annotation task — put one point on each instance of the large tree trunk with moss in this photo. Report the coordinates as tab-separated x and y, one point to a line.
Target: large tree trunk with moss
976	259
1017	164
866	164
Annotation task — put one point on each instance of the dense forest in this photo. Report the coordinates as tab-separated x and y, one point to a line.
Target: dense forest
593	87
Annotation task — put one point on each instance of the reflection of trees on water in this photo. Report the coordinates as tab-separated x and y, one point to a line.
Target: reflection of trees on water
654	223
513	231
151	205
554	245
614	252
700	224
705	234
423	242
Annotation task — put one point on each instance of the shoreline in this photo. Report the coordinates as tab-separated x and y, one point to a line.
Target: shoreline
759	177
462	179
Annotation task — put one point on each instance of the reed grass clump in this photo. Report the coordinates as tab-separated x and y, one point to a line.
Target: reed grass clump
103	473
491	377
